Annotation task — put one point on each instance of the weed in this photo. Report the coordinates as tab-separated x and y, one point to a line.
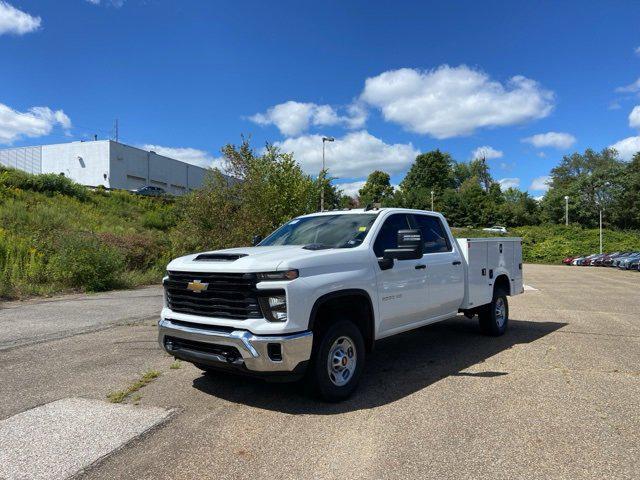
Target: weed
119	396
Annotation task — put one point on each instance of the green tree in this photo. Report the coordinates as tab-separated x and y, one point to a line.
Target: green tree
591	180
627	213
377	189
264	192
472	205
478	168
518	208
431	171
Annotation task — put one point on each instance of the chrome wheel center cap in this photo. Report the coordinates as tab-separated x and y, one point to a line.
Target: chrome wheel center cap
341	361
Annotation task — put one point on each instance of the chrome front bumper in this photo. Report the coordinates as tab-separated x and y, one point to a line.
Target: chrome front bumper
254	350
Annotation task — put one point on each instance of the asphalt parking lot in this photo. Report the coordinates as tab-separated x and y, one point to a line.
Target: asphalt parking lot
557	397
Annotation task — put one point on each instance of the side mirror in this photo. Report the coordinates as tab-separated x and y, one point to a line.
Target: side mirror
409	246
256	240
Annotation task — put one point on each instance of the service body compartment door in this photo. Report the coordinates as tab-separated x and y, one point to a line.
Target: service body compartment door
517	282
478	288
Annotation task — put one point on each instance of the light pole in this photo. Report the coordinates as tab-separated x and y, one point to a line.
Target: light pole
324	139
566	210
600	209
432	200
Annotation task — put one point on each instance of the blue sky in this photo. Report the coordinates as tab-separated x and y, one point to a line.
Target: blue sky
388	79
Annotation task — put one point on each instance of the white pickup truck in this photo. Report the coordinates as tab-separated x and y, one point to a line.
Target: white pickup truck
312	298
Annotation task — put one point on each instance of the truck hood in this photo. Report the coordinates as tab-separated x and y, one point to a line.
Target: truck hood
247	259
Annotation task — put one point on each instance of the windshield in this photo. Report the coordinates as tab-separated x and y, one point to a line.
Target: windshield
331	231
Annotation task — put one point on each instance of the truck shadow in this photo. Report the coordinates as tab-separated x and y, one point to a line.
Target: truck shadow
399	366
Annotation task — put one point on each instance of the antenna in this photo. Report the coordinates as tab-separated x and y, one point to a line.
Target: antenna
115	131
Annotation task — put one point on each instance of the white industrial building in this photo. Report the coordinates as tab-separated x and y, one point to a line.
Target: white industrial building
107	163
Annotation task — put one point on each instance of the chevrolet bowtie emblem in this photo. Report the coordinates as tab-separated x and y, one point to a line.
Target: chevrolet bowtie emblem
197	286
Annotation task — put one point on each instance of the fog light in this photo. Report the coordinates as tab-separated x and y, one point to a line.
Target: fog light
278	307
274	308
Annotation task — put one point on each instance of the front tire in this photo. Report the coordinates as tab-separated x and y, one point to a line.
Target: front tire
494	317
337	361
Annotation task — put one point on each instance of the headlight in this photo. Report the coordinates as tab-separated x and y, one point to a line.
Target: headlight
284	275
274	307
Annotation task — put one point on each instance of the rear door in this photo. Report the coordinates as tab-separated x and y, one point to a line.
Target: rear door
445	272
402	289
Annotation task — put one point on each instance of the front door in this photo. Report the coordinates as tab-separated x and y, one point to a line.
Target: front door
444	269
402	289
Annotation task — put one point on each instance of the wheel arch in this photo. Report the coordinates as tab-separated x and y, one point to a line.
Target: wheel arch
350	300
503	283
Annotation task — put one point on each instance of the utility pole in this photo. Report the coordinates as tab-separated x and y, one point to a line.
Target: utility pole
432	200
324	139
566	210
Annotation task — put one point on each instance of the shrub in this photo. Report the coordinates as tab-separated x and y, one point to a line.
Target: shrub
140	251
49	183
158	219
83	261
22	266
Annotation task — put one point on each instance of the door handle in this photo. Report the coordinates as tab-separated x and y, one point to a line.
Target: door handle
420	267
457	262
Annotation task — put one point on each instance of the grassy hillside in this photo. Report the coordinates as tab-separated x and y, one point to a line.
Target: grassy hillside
56	235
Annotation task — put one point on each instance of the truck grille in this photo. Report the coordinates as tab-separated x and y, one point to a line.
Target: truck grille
226	295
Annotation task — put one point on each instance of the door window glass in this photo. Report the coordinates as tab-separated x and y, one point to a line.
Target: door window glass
388	234
433	233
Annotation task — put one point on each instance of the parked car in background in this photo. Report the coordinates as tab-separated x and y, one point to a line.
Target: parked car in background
621	258
625	263
589	260
599	260
580	260
611	258
150	191
634	264
568	260
495	229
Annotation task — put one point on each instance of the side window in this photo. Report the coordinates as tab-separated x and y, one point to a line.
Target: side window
433	233
388	234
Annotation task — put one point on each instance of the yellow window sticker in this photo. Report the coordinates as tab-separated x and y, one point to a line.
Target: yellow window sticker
362	229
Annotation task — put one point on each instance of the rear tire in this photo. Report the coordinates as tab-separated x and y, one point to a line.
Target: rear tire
337	361
494	317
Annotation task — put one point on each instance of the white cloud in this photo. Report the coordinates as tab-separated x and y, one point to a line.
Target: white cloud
36	122
351	188
540	184
355	155
17	22
637	51
631	88
453	101
193	156
509	183
634	117
507	167
557	140
627	147
293	118
486	152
